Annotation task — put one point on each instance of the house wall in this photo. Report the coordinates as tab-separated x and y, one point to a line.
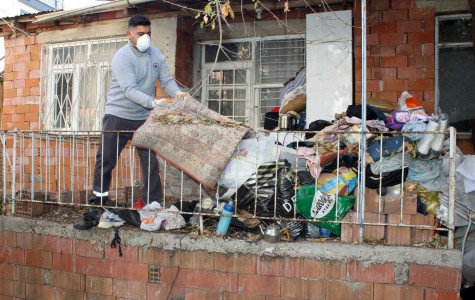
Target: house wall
44	259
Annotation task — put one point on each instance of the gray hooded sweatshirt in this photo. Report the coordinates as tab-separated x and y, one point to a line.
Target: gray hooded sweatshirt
133	82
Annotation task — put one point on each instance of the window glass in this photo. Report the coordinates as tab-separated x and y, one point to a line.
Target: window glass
75	79
229	52
456	71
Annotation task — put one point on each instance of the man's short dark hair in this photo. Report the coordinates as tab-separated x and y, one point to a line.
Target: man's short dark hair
139	20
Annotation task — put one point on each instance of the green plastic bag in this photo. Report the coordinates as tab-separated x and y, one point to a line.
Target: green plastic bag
320	206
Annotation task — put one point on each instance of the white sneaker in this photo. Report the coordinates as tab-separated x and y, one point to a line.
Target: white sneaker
109	220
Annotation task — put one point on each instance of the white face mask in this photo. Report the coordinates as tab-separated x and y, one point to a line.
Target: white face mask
143	42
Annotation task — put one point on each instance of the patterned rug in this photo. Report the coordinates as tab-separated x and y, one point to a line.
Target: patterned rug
192	138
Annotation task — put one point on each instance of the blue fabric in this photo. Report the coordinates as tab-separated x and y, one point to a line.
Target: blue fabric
300	79
391	146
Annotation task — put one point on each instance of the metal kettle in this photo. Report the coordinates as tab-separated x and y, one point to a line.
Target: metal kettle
287	121
272	233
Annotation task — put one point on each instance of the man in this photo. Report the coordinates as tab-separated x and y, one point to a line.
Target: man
135	69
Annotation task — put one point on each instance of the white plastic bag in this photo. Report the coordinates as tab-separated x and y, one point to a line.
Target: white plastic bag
246	160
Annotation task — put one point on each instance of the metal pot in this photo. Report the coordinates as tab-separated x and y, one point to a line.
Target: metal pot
272	233
287	122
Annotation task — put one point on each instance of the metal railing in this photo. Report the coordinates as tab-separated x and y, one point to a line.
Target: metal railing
57	168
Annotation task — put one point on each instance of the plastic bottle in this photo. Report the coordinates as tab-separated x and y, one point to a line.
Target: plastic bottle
225	218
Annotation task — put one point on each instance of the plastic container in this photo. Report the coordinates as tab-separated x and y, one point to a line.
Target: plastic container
225	218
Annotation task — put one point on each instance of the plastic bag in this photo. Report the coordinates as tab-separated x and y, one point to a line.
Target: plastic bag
262	198
408	102
315	205
249	154
326	183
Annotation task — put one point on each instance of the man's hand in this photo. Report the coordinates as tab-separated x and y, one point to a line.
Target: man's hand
180	95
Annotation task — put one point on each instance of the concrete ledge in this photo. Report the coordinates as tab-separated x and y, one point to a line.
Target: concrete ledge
330	251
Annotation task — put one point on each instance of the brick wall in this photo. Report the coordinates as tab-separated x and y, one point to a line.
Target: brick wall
45	266
22	84
400	51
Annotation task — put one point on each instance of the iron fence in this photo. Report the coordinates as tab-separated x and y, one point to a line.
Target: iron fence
42	169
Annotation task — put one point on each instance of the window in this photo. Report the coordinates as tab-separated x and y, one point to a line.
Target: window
76	79
455	70
245	81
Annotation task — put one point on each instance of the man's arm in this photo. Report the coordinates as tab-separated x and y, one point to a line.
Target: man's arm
124	72
167	82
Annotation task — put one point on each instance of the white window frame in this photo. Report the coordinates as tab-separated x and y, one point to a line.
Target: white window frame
253	115
48	96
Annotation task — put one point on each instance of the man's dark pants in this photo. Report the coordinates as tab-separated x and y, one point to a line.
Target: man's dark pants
112	144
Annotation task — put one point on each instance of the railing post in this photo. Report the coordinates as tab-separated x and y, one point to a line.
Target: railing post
15	142
451	216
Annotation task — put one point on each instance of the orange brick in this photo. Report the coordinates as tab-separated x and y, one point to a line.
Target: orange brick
427	49
31	117
35	82
383	27
33	65
235	263
409	26
18	67
195	260
26	240
29	40
395	61
342	290
421	84
295	288
389	50
395	14
422	235
259	285
35	74
422	13
23	57
19	83
29	274
278	266
35	56
96	267
88	249
435	277
130	253
99	285
392	39
67	280
34	91
57	244
397	292
395	85
129	289
36	48
368	272
131	271
59	293
8	68
9	93
19	117
38	291
40	259
22	125
396	235
431	294
7	271
67	262
383	73
421	61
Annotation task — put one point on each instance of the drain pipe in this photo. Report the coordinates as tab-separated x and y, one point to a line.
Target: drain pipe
363	119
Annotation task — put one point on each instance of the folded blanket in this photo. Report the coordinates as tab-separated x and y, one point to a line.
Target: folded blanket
192	138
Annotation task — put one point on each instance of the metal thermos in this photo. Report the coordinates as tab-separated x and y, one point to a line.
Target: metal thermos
287	122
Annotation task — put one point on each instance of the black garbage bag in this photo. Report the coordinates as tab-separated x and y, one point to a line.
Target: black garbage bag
131	217
271	191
